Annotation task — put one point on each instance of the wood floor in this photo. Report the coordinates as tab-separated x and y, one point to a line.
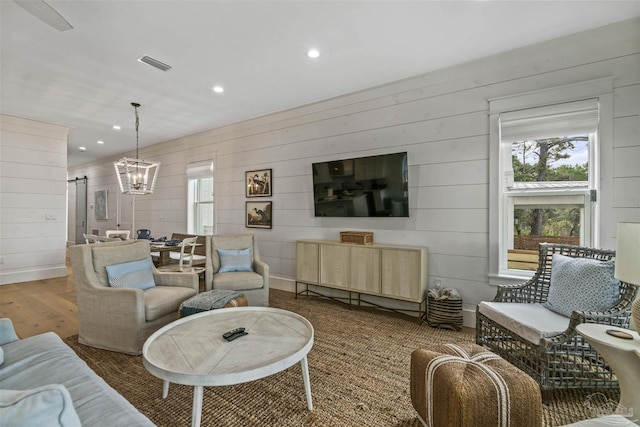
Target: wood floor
41	306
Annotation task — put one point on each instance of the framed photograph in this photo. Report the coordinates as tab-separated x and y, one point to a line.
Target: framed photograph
101	204
259	214
259	183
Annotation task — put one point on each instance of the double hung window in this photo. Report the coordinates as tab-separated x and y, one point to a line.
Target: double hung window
201	198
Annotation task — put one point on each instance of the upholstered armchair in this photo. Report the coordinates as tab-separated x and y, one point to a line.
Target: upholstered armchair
533	324
117	311
233	263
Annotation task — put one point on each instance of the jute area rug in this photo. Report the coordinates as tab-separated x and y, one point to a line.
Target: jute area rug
359	369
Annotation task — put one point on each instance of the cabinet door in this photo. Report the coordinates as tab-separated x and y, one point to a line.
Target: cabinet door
307	262
365	270
401	274
334	266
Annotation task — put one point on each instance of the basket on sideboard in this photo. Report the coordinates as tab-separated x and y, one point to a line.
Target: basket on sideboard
357	237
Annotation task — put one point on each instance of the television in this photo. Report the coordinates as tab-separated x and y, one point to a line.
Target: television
373	186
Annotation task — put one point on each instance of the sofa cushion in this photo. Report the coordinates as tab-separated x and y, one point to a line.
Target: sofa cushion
45	359
235	260
1	356
238	281
529	321
132	274
582	284
48	405
162	300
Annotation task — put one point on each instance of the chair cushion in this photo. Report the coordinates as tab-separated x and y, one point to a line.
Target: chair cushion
162	300
133	274
116	253
228	241
583	284
235	260
49	405
531	322
238	281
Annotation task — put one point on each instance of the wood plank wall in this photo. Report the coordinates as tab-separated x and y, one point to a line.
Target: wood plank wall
441	120
33	204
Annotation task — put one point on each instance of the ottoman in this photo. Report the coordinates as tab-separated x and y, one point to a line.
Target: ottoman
467	385
212	300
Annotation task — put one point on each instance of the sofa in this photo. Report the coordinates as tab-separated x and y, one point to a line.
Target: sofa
44	383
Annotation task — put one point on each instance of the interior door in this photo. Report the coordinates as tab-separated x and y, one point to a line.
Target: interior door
81	208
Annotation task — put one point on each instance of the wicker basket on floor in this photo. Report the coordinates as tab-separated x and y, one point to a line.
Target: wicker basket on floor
444	313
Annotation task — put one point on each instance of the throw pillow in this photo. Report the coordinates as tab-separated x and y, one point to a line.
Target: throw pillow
583	284
235	260
49	405
133	274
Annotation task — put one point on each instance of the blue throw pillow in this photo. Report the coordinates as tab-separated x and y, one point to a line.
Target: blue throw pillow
235	260
583	284
134	274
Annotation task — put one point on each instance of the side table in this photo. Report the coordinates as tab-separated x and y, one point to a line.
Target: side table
623	355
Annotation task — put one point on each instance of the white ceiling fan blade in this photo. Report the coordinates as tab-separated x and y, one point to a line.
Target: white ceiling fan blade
45	13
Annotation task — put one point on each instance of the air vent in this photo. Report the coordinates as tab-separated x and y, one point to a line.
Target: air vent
154	63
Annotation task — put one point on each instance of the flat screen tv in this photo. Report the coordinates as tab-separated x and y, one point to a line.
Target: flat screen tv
374	186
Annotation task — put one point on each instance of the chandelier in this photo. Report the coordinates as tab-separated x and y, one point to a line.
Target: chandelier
136	176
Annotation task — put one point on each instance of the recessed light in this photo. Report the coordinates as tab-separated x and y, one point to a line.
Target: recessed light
100	142
116	127
83	148
313	53
217	89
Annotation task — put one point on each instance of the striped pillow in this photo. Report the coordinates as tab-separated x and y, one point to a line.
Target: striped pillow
134	274
235	260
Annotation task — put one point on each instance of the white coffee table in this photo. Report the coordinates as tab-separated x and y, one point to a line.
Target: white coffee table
191	350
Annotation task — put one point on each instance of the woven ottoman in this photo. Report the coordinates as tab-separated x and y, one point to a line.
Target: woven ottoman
467	385
212	300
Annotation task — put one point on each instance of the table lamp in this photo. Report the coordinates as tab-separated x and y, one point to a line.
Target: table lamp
628	261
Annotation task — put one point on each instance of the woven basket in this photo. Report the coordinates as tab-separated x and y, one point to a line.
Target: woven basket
357	237
635	314
444	313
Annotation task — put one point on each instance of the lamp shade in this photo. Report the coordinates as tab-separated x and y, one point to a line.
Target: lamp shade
628	253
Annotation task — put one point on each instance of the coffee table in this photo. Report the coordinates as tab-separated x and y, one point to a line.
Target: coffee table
191	351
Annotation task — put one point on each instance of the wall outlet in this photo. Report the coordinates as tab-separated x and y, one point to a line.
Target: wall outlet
437	282
50	217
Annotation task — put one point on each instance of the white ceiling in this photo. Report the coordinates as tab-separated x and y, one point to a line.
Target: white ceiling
87	77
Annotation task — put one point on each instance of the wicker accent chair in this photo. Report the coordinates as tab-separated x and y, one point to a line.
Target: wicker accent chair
558	360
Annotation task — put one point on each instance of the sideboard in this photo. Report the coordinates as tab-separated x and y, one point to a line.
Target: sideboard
388	271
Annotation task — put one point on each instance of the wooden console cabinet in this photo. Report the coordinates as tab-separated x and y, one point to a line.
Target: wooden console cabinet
389	271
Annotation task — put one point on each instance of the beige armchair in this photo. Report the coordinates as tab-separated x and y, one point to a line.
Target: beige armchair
254	284
121	319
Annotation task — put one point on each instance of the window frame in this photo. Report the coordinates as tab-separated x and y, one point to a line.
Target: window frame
196	173
501	201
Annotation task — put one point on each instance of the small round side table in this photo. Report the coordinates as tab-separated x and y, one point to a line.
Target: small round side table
623	355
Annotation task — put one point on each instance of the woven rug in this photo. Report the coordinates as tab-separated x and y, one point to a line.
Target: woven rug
359	370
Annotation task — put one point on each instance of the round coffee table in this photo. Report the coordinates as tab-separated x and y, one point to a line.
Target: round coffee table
192	351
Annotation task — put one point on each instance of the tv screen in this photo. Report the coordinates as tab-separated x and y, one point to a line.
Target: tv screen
374	186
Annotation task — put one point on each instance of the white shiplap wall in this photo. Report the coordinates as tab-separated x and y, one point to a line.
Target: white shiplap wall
440	119
33	203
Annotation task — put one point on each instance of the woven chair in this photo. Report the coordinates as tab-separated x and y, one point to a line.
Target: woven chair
561	360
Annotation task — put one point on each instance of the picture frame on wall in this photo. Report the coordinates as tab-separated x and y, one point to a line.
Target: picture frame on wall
101	204
259	183
259	214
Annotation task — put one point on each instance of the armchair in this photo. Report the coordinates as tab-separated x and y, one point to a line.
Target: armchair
543	343
220	273
118	318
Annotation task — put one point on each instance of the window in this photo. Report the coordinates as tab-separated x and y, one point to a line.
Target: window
544	173
201	198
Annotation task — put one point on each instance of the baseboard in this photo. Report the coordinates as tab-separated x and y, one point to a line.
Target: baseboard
10	277
468	315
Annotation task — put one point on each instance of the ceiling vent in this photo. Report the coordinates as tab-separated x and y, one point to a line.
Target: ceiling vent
154	63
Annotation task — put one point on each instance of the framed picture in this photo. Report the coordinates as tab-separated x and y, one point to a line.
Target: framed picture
259	214
101	204
259	183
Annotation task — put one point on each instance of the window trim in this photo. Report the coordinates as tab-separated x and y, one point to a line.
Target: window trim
602	90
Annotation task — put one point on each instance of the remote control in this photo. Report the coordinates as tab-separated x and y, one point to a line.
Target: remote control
234	336
232	332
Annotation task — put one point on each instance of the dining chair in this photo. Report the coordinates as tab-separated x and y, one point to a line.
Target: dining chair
122	234
184	258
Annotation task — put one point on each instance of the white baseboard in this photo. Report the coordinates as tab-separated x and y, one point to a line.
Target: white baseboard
10	277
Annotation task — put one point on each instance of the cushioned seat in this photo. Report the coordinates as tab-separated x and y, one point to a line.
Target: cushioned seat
239	281
161	301
466	385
